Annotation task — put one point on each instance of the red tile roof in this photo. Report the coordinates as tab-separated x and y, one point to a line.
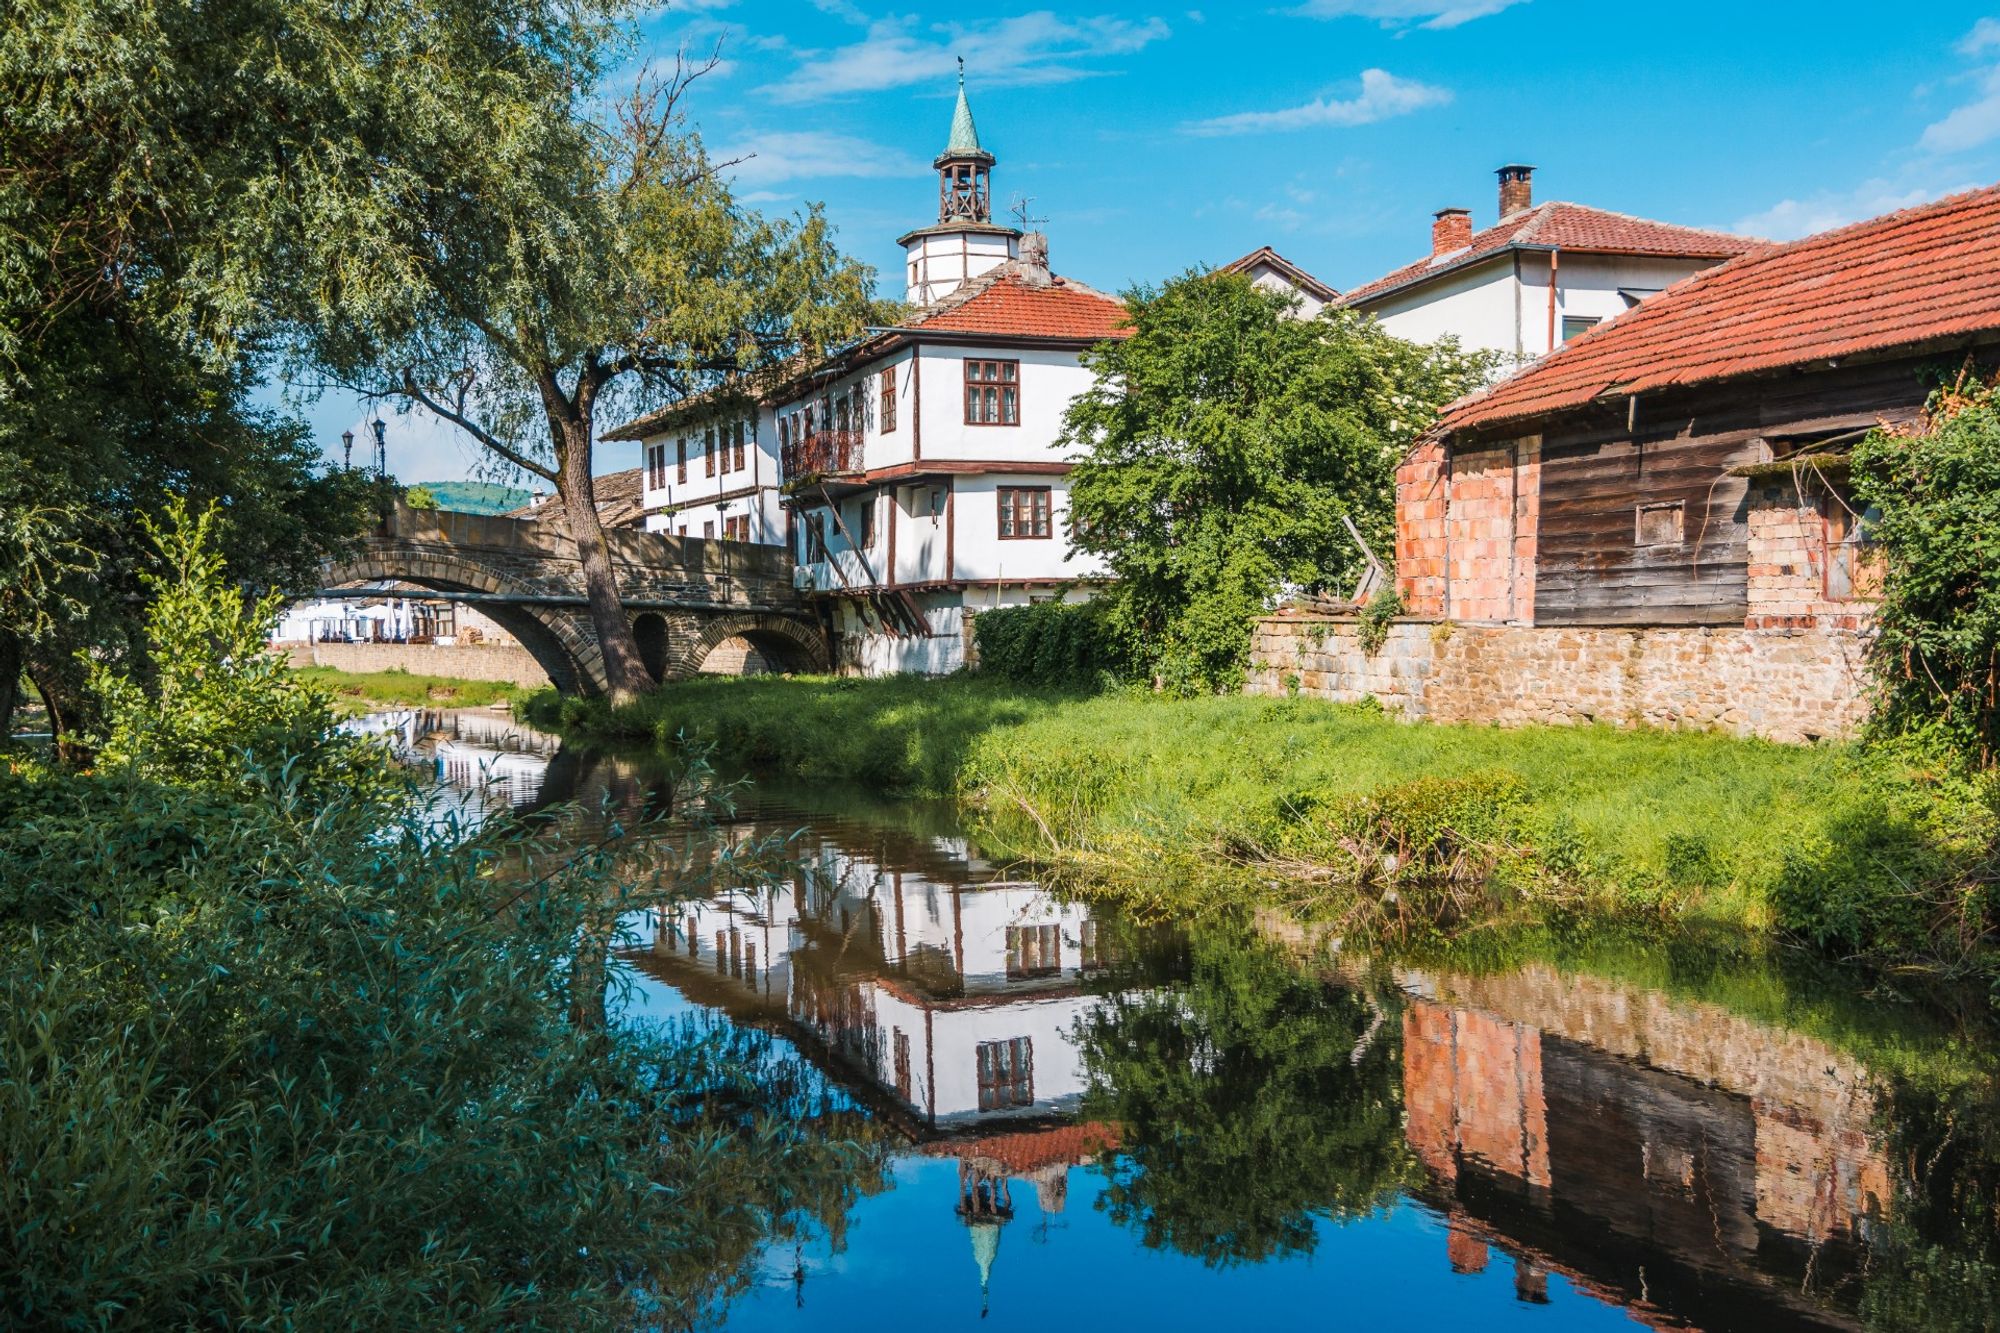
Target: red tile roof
1011	304
1919	276
1569	227
1030	1150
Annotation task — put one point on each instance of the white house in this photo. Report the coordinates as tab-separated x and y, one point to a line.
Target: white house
1541	275
915	476
1268	269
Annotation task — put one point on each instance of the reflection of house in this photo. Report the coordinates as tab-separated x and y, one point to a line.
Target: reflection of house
486	758
953	1000
1673	1154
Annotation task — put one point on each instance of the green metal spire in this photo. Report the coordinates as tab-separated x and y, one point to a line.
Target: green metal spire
964	134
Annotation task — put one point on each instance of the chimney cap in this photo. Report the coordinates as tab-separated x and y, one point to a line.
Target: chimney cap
1447	212
1516	169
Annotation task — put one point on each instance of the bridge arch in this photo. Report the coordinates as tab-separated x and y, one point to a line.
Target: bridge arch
560	643
787	642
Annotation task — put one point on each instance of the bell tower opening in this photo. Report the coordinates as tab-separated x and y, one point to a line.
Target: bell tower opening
965	242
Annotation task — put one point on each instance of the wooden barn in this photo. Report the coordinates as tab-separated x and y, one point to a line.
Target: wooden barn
1683	465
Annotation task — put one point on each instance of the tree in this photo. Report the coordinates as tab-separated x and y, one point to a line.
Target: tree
604	263
1219	450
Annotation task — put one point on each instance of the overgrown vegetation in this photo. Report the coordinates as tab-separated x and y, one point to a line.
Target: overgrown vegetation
1051	644
283	1047
1400	831
1935	495
1219	451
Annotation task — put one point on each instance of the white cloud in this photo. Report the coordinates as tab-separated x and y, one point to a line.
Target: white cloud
1984	37
1789	219
1037	48
1382	96
769	159
1398	13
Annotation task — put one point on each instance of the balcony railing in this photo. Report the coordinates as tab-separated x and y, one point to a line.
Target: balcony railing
822	454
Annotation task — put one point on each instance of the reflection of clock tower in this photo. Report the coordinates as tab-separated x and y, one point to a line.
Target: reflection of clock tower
966	242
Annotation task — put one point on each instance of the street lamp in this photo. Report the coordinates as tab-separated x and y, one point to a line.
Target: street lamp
347	451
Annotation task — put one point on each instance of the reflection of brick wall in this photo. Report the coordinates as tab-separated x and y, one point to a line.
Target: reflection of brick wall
1787	685
1816	1179
1788	555
1473	1085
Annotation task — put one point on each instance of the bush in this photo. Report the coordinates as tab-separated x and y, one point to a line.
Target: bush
1051	644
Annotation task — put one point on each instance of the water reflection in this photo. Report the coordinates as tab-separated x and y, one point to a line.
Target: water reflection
1188	1129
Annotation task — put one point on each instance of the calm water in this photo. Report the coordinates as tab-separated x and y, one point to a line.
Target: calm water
1114	1127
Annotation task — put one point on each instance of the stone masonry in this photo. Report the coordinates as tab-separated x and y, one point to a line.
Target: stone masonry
1781	684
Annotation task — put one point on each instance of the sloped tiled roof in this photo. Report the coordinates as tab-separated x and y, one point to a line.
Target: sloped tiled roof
1568	227
1292	273
1010	302
1920	276
620	502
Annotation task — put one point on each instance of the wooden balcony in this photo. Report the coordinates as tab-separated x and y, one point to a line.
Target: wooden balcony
826	453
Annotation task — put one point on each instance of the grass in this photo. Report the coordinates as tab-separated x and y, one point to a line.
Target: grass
1339	810
365	691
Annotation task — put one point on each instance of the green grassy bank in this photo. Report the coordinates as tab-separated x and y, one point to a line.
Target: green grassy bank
365	691
1339	811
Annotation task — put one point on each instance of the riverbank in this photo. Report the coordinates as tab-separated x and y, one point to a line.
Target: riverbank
367	691
1342	814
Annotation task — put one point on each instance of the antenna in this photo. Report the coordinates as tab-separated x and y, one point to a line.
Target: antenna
1018	207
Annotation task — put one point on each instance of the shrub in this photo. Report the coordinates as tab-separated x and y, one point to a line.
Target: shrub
1446	828
1058	644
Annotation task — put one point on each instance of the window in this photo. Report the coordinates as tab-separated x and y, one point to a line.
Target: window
1660	524
1006	1073
992	393
736	527
1095	956
902	1058
708	452
1034	951
864	528
656	466
1853	560
681	448
815	538
1024	512
708	530
1575	326
739	446
888	410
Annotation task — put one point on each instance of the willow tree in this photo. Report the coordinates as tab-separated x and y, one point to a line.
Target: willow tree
536	279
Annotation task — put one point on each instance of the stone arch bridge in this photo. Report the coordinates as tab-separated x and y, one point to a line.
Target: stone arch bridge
687	597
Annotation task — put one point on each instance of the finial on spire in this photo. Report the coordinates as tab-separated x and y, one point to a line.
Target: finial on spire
961	71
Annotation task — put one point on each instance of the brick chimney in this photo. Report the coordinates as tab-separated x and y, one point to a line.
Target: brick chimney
1517	190
1035	259
1451	231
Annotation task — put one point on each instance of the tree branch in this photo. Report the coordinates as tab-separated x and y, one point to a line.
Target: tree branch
411	389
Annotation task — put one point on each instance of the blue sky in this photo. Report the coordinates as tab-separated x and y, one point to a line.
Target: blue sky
1153	139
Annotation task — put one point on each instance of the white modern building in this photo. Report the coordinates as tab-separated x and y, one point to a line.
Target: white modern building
916	476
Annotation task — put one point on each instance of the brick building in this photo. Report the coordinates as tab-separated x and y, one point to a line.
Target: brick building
1653	524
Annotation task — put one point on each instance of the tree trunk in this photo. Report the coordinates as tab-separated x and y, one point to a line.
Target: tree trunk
10	684
624	670
59	678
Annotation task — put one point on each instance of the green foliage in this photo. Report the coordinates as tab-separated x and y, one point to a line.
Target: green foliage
1938	492
217	710
1436	826
1252	1101
1372	627
420	497
1219	451
1051	644
260	1070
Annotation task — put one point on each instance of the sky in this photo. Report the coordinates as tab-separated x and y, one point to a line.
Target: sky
1147	140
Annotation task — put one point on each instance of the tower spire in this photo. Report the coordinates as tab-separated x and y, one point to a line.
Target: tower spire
964	192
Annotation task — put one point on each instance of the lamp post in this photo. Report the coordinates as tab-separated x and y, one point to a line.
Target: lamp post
347	451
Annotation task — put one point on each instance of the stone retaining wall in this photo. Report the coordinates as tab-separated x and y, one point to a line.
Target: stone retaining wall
1781	684
483	662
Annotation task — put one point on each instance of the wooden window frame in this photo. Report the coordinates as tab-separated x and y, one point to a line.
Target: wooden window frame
1004	1073
739	446
1006	375
708	452
1864	584
681	449
1007	505
886	414
865	517
1639	512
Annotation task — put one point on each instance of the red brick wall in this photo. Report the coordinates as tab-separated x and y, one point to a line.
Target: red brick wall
1788	554
1466	531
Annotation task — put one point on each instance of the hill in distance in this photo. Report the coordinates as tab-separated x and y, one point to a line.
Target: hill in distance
476	497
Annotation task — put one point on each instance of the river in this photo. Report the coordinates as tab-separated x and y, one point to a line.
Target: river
1112	1126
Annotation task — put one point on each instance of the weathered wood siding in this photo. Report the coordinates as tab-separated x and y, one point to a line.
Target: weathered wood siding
1596	472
